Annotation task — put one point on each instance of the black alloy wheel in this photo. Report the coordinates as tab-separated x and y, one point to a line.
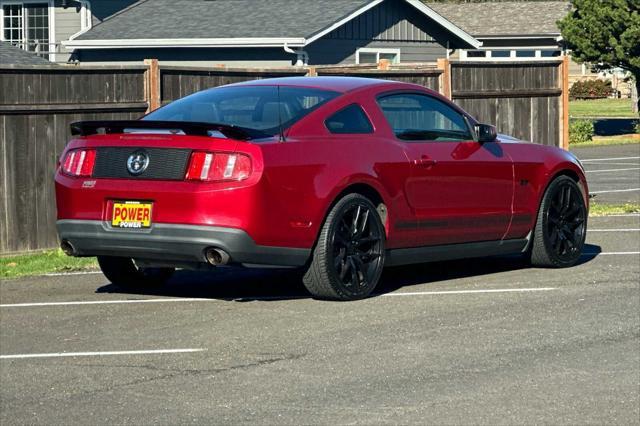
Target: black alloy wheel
562	225
349	257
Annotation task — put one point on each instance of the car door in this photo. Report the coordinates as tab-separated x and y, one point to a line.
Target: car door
460	190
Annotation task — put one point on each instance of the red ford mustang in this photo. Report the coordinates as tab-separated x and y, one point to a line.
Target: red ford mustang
337	175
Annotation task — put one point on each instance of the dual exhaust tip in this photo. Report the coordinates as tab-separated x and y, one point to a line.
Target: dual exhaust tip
214	256
67	248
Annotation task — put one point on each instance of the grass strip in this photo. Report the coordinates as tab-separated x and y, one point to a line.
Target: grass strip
608	140
597	209
50	261
601	108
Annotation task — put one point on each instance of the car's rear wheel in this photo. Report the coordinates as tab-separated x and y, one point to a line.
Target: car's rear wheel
561	226
349	256
124	272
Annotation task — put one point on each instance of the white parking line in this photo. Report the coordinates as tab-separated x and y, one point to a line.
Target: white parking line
588	160
614	230
612	170
607	163
612	253
614	190
191	299
106	302
108	353
497	290
63	274
618	215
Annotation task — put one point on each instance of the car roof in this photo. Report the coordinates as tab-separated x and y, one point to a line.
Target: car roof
337	84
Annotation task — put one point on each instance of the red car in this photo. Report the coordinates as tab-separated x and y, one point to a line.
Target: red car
340	176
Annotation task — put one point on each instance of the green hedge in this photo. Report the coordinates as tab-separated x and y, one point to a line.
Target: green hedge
580	131
590	89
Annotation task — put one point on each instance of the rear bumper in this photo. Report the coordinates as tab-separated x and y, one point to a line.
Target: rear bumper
173	243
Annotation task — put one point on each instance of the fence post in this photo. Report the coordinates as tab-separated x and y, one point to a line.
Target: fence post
152	84
564	108
445	78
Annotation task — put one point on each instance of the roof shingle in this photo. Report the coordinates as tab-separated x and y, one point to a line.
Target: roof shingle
11	55
505	18
194	19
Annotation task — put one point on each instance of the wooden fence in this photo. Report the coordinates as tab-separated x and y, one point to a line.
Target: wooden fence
37	104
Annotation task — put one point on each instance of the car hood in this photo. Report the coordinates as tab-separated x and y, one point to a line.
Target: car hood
507	138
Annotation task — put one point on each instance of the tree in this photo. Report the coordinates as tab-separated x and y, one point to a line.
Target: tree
605	33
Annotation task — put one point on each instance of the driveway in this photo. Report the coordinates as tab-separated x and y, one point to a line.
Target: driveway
486	341
613	172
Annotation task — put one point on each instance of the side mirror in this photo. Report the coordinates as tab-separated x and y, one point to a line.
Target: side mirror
486	133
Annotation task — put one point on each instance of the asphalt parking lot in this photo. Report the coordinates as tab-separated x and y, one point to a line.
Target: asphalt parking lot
613	172
478	341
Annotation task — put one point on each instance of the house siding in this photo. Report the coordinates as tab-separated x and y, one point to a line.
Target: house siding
329	52
245	57
391	24
67	24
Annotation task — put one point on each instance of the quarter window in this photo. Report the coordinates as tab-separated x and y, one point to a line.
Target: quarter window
415	117
351	119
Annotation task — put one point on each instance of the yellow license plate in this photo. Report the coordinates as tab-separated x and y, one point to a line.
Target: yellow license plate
131	214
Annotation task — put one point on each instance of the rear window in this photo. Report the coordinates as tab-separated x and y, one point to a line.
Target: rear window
260	110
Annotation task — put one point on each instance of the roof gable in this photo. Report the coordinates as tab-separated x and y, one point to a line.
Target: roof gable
248	23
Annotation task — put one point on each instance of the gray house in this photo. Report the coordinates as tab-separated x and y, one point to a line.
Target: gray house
509	29
41	26
271	33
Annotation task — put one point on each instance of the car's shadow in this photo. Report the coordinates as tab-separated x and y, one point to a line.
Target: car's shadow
256	284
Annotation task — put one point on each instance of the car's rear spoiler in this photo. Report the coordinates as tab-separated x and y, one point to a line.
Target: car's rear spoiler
85	128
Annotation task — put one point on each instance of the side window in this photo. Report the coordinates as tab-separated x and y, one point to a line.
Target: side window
415	117
351	119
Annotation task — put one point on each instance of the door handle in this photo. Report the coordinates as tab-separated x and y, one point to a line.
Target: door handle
424	162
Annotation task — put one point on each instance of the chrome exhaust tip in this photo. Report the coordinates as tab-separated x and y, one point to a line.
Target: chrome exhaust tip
67	248
216	256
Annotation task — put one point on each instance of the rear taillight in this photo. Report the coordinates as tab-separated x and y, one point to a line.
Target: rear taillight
79	162
218	167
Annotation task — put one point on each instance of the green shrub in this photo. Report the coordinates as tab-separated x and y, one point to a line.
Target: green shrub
590	89
581	131
636	127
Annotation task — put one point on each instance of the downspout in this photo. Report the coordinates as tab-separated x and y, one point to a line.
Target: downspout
302	56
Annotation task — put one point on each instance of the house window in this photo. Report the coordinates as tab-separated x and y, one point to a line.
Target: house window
476	54
27	26
367	55
500	53
549	53
525	53
510	53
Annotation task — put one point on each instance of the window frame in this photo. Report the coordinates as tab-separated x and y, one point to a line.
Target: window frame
469	121
364	112
513	55
51	45
378	51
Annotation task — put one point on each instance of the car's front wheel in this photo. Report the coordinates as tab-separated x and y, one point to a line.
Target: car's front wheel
561	226
349	255
124	272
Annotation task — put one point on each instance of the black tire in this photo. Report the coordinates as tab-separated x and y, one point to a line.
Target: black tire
349	256
123	272
561	225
